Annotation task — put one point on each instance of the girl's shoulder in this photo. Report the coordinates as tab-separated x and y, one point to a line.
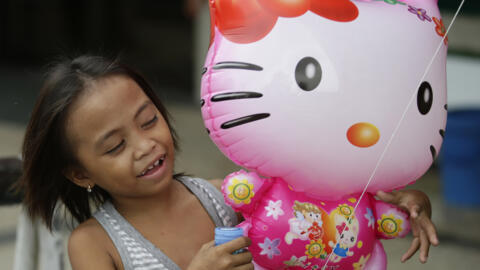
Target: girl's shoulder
89	240
217	183
87	230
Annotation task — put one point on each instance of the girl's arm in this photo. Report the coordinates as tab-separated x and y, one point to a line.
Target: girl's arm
86	251
417	204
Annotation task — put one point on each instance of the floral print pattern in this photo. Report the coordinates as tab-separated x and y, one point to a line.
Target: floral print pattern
390	225
360	265
270	248
420	12
241	191
274	209
440	29
369	216
392	2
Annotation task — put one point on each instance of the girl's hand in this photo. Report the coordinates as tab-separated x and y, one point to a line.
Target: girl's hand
211	257
417	204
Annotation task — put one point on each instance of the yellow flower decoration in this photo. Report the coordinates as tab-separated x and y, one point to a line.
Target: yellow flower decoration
361	263
346	210
390	225
352	200
315	249
359	244
241	191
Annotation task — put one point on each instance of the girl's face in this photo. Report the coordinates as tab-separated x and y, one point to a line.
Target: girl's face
120	138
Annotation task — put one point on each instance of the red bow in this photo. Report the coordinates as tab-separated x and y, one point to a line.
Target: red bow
248	21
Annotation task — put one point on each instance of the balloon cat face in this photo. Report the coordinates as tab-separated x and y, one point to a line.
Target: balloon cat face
314	96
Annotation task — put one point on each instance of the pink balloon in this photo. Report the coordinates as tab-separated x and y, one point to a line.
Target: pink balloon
312	104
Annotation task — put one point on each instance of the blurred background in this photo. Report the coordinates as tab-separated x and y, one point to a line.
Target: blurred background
167	40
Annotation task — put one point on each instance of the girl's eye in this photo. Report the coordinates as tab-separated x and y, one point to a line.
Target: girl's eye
116	148
149	123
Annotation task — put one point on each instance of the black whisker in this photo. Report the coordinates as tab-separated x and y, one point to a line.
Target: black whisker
434	151
235	95
204	70
442	133
244	120
237	65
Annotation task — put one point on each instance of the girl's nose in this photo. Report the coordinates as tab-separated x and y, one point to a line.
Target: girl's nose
363	134
143	148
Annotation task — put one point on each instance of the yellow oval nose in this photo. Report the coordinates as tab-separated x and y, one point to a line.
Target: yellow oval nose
363	134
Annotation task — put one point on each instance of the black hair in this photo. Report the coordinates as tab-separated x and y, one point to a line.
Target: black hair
47	153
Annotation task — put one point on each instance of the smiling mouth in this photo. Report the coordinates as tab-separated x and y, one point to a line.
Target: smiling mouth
158	163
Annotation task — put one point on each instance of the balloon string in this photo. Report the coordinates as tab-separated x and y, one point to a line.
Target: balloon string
397	126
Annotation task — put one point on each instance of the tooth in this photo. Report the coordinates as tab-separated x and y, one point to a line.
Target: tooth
156	163
149	168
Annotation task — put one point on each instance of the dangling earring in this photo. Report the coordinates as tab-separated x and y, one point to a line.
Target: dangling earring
89	189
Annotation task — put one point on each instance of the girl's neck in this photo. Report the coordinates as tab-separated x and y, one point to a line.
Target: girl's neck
158	205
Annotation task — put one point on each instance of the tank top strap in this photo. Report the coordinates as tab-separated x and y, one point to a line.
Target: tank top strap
136	252
212	200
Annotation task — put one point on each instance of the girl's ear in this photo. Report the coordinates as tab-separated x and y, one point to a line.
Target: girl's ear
78	177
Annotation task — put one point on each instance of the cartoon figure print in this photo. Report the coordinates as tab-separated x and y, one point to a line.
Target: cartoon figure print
307	223
347	228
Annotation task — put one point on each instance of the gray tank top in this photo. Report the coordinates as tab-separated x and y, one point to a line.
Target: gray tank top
138	253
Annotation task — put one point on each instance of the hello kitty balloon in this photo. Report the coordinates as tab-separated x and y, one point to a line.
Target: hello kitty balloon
308	94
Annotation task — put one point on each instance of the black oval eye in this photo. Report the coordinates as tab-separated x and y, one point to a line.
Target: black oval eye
352	239
308	73
424	98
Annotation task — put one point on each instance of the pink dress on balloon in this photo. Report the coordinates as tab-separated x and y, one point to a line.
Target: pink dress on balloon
324	103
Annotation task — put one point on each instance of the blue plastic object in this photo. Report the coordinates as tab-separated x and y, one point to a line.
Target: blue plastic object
460	164
227	234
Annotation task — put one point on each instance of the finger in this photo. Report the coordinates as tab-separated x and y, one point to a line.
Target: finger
424	247
209	244
386	197
242	258
427	225
413	209
414	246
248	266
236	244
415	228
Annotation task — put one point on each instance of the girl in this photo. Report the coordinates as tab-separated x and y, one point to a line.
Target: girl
98	133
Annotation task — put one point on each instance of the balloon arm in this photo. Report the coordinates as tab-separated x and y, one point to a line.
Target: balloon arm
245	225
390	221
242	190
